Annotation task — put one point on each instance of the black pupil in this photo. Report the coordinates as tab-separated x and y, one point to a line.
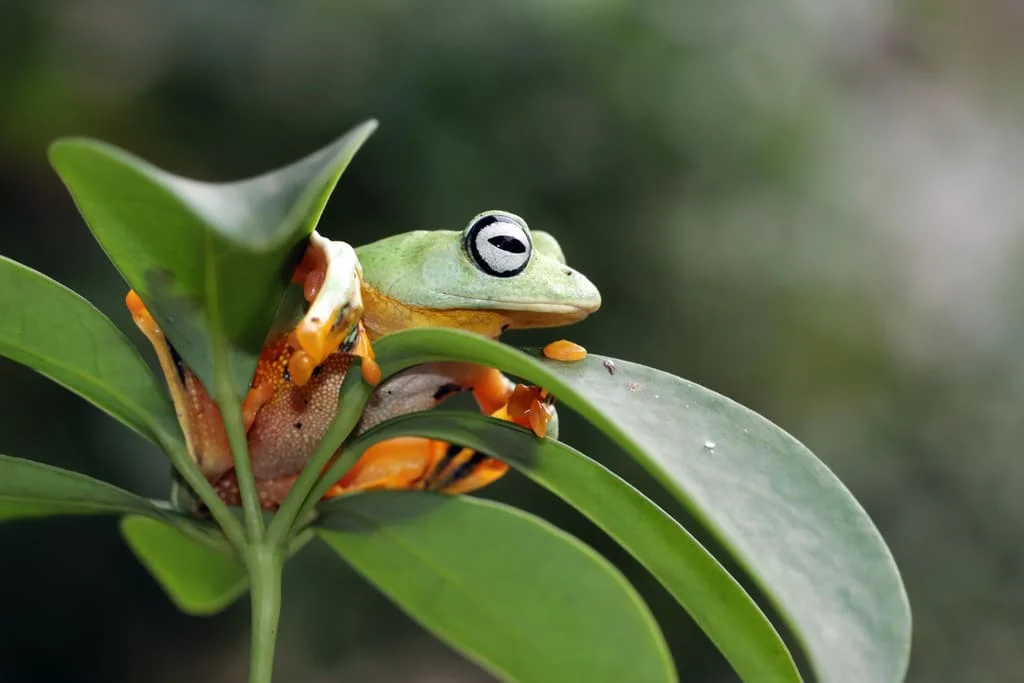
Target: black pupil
509	244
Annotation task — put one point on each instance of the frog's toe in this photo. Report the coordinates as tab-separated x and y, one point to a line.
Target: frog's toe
140	314
255	399
540	416
313	336
530	407
368	364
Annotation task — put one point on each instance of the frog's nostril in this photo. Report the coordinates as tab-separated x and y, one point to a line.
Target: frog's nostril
569	273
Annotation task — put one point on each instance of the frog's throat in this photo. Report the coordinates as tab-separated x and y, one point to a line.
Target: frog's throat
383	314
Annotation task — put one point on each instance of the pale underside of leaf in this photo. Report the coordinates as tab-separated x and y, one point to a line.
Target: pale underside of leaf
198	579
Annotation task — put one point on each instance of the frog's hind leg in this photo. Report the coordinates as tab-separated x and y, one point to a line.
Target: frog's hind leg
417	463
198	415
399	463
463	470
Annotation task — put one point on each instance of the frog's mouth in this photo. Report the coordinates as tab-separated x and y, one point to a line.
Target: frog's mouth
511	306
383	315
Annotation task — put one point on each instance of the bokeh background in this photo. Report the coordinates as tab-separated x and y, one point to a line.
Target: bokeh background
814	208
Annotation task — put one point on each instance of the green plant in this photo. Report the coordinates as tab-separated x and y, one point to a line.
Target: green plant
213	261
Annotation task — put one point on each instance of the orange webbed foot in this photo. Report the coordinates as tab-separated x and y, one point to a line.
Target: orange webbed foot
530	407
331	283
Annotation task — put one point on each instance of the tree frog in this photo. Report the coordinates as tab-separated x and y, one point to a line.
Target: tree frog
493	276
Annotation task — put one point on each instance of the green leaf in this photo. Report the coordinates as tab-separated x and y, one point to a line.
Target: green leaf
32	489
709	593
211	261
54	331
197	578
786	519
522	598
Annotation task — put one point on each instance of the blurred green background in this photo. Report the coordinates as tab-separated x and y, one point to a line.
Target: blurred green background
810	207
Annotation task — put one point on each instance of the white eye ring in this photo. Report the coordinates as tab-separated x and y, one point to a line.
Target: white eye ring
498	243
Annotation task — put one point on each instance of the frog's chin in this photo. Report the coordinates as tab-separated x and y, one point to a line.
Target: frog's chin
553	316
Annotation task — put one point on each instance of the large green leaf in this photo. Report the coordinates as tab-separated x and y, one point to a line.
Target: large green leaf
522	598
198	579
61	335
210	261
709	593
782	514
32	489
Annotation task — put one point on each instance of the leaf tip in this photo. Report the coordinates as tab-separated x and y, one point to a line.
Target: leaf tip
58	148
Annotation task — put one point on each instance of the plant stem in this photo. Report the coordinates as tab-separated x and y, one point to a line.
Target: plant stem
229	403
265	562
188	469
231	410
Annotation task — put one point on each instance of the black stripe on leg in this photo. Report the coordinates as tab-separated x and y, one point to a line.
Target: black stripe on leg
464	470
179	364
430	481
446	390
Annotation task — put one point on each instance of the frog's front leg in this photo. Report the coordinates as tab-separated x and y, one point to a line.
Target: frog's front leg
491	389
330	276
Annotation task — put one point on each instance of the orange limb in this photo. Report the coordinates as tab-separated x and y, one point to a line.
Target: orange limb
399	463
301	366
198	415
314	337
417	463
255	399
312	340
487	472
491	389
465	471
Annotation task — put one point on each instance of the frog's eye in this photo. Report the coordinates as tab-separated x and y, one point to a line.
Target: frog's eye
498	243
